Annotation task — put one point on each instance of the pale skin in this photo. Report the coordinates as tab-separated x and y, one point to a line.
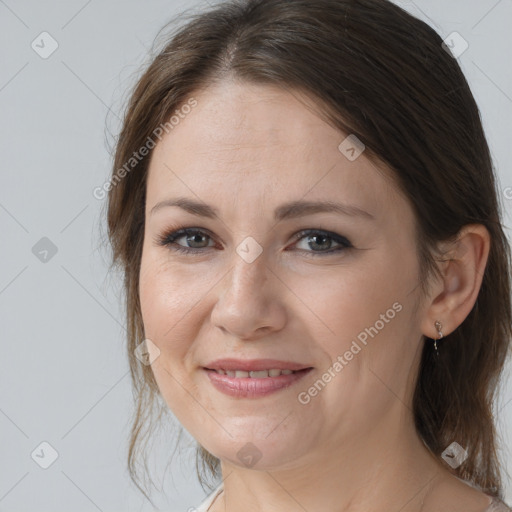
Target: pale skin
246	149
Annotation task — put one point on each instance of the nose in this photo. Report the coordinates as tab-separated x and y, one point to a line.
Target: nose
249	304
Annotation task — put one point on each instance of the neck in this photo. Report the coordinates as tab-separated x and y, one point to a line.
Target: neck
385	468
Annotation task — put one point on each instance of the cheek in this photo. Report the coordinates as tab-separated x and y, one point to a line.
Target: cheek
162	300
347	299
162	290
170	298
370	353
166	299
366	312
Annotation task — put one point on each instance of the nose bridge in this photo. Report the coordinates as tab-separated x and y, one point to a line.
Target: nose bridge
249	272
248	301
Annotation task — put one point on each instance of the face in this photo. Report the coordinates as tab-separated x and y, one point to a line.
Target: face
332	291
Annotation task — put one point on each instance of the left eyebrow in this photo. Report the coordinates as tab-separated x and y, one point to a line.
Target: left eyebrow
289	210
301	208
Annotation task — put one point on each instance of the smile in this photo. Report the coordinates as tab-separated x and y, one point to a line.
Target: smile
253	384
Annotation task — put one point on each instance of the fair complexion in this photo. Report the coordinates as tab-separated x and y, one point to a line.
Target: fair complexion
245	150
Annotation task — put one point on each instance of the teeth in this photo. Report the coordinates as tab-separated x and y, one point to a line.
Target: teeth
260	374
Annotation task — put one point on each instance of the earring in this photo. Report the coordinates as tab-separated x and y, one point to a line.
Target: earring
438	327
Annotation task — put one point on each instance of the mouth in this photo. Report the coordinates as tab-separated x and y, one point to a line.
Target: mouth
256	374
254	383
254	365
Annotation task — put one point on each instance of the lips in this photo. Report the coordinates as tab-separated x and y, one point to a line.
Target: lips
242	386
254	378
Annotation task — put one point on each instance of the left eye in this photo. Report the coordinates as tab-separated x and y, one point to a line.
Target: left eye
322	240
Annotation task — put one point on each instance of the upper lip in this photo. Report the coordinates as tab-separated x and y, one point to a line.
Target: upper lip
255	365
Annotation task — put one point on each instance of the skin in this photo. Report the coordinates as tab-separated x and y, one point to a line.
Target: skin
245	149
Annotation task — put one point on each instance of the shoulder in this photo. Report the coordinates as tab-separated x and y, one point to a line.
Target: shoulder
493	504
462	496
205	504
497	506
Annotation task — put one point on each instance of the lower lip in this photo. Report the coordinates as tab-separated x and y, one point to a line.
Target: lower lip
247	387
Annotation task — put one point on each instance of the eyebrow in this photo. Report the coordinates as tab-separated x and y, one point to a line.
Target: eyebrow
289	210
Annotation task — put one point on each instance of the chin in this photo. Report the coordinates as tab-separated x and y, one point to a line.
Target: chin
263	453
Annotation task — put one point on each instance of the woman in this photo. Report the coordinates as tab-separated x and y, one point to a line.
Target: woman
317	278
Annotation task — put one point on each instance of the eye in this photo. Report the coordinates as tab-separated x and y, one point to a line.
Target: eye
192	236
323	240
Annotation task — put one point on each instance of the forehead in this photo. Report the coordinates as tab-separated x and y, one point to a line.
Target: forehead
264	142
234	119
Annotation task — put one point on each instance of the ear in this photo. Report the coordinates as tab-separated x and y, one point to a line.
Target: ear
462	268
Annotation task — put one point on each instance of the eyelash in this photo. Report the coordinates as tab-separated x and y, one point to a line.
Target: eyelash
168	239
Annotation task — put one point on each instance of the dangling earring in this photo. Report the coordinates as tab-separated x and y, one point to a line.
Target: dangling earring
438	327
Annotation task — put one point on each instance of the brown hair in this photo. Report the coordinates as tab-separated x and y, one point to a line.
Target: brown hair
379	73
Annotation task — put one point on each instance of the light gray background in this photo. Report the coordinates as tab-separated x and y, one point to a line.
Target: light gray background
64	375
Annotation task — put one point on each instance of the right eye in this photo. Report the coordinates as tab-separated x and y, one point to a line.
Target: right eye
191	235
